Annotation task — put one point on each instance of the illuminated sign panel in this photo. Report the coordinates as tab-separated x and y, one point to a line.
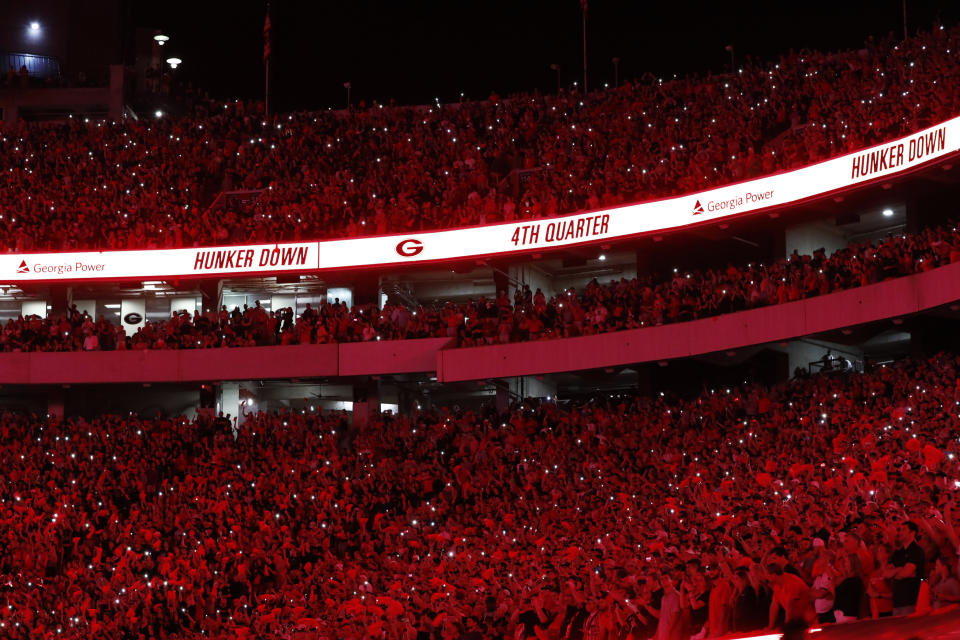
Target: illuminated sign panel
201	261
843	172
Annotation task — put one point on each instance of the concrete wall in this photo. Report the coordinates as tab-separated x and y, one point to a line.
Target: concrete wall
169	366
248	363
391	356
33	308
807	238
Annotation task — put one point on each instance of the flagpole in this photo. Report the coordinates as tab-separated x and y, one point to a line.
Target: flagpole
267	53
583	5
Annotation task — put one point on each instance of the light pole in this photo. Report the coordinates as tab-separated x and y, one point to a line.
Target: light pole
556	68
155	72
616	72
346	85
733	64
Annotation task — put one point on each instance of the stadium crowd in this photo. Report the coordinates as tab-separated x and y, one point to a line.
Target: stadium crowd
149	182
824	499
599	308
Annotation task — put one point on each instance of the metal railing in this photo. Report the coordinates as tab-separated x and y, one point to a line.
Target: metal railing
38	67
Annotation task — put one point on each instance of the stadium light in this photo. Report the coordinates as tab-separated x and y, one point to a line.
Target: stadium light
158	113
34	29
174	62
161	39
887	213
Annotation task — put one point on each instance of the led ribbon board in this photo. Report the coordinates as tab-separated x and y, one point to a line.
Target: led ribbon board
777	190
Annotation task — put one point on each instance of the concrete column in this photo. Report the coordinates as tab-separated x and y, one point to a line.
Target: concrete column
407	401
501	279
366	289
58	300
228	400
212	294
366	402
55	403
503	399
133	314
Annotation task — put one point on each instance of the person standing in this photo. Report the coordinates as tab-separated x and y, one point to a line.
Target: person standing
670	619
907	570
792	594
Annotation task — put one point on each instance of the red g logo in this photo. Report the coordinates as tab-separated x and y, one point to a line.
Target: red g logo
409	248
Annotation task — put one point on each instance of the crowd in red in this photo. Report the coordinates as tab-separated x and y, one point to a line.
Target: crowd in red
616	306
651	301
825	498
147	183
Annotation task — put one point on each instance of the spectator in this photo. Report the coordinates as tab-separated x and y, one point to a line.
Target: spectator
616	306
790	595
908	563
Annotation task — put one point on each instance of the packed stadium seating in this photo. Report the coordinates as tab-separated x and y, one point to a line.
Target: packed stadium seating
824	499
471	524
148	183
600	308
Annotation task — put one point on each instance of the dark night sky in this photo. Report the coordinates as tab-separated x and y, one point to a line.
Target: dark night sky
415	51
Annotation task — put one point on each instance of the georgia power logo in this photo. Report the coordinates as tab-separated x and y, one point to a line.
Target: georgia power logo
23	268
697	208
409	247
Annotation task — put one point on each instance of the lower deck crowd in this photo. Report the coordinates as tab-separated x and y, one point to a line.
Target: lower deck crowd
822	500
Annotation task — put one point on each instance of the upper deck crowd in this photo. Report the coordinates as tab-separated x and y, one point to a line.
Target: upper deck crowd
384	168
